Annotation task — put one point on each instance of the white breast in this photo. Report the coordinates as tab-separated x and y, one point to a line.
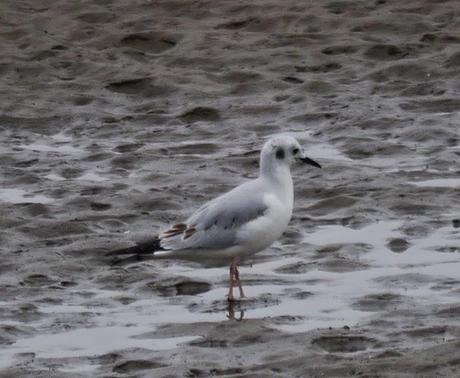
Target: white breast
263	231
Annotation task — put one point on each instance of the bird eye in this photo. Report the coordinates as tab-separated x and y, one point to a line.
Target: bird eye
280	153
295	151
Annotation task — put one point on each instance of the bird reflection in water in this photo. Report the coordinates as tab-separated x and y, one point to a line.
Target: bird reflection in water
232	307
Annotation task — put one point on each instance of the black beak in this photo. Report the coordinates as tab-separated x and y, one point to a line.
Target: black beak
310	161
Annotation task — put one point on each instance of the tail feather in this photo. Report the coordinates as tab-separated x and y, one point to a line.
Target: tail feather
145	248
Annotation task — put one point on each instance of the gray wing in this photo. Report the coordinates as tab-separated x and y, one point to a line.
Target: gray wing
215	225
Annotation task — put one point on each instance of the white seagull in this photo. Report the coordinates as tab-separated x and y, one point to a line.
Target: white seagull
241	222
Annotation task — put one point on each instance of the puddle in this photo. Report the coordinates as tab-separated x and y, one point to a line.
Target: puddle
79	369
21	196
375	234
438	183
64	149
58	143
391	164
329	306
61	137
87	176
86	342
92	176
54	177
114	329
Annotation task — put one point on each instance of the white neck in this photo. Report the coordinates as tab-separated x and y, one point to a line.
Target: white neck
279	174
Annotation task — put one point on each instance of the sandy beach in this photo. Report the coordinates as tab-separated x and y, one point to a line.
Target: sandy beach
121	117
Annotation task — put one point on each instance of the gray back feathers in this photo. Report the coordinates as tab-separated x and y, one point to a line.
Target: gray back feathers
215	225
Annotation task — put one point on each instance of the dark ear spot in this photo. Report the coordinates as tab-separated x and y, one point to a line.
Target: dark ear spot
280	153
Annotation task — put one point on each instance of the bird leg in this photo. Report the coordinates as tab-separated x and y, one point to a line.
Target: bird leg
234	276
232	282
237	279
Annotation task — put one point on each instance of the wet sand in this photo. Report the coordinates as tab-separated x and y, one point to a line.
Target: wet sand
118	119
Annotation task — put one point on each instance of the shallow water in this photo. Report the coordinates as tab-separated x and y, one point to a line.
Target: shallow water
327	304
14	195
438	183
64	149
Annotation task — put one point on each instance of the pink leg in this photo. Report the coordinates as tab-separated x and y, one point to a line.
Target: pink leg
237	279
231	279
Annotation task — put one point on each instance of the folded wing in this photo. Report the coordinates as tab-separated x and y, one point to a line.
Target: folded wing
215	225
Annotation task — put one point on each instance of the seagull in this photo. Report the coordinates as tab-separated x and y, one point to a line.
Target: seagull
239	223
